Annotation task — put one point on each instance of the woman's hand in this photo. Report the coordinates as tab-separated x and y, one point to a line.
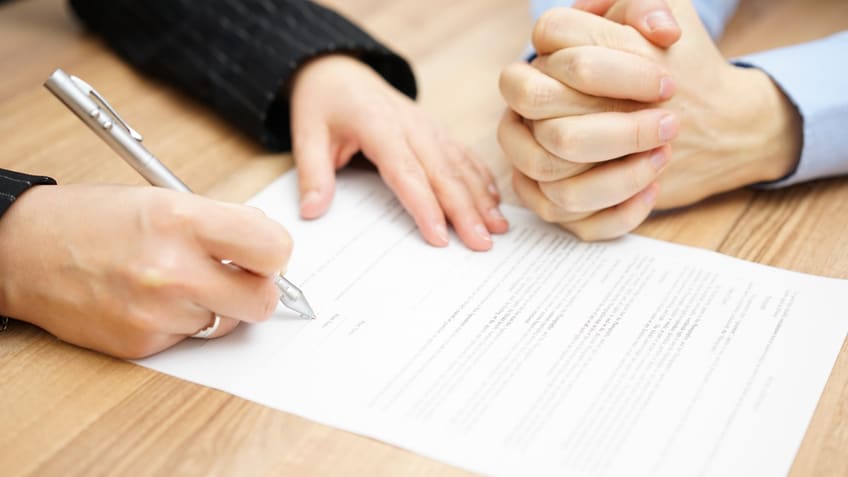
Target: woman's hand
131	271
340	106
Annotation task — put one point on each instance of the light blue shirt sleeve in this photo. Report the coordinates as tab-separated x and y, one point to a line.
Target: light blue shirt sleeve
813	75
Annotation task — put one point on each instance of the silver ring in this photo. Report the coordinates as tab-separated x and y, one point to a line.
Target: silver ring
205	333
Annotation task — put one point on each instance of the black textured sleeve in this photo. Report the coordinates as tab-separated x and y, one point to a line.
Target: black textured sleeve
13	184
236	55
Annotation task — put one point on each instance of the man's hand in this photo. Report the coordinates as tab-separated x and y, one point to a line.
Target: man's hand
131	271
652	18
601	105
341	106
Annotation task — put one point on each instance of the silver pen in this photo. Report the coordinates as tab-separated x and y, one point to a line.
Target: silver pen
87	104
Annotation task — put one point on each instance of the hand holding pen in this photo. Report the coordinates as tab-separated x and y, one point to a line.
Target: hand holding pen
131	271
79	97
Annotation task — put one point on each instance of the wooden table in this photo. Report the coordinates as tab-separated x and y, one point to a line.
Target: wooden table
67	411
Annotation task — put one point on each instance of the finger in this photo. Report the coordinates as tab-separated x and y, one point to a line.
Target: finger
444	168
478	180
595	7
528	156
604	136
225	327
615	221
233	292
528	191
316	173
598	71
652	18
491	184
608	184
222	230
536	95
403	174
560	28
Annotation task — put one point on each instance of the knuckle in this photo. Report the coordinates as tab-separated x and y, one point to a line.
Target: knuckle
161	277
447	173
579	67
543	167
567	198
547	211
508	77
407	168
563	139
164	215
532	96
549	22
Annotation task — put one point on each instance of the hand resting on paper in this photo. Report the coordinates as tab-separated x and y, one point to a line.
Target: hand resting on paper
340	106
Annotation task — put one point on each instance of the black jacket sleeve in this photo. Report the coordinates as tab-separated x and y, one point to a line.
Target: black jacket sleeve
13	184
236	55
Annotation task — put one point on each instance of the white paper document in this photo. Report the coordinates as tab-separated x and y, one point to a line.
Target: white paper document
543	356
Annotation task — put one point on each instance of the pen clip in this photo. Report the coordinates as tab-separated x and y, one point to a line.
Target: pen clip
89	90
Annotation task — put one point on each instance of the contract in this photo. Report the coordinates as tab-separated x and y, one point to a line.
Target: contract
543	356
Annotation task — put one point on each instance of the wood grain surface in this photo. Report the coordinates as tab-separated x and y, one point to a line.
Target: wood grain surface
68	411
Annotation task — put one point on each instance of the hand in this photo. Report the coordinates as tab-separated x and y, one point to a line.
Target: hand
652	18
340	106
131	271
594	203
738	128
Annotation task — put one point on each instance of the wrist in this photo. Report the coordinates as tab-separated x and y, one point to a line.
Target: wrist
772	143
15	242
319	62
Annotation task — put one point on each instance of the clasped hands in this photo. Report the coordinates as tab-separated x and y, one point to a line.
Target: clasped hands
592	119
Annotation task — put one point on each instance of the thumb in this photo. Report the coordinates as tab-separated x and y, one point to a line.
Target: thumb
598	7
652	18
316	174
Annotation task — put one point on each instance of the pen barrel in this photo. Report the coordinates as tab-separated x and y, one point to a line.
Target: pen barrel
113	133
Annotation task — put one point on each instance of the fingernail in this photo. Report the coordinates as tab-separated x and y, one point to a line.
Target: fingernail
667	87
310	199
659	159
660	20
483	232
442	233
668	128
496	214
493	190
649	196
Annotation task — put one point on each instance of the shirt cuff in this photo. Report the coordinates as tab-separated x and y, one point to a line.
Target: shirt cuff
14	184
814	77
